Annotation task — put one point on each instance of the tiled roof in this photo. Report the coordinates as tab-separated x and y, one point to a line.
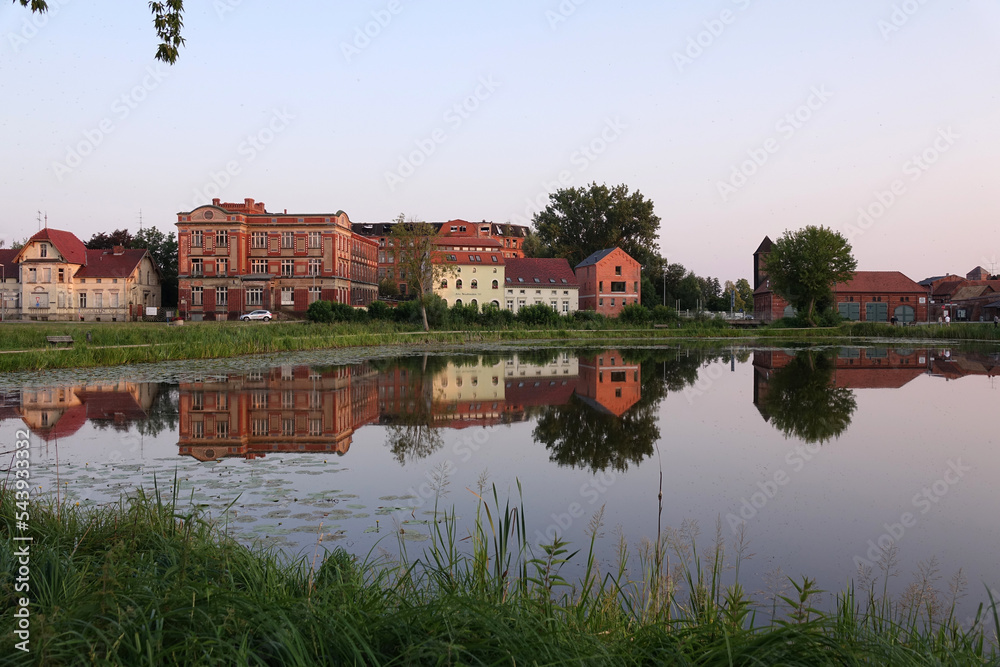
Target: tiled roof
596	257
8	257
540	271
68	245
106	264
970	292
765	245
947	287
879	281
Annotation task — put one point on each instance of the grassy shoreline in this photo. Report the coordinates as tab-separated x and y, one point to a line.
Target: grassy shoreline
23	347
150	581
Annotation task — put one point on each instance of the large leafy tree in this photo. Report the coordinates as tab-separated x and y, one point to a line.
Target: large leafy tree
803	266
168	19
105	241
580	221
163	248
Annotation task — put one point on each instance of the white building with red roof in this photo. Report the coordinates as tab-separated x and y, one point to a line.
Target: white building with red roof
57	278
473	270
548	281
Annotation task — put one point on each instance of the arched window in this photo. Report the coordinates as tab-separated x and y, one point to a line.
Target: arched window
458	284
475	284
458	302
495	284
495	303
474	304
444	284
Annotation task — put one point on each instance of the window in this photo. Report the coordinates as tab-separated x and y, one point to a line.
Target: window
618	270
196	240
458	284
288	426
565	306
287	296
196	295
62	275
314	293
314	267
258	427
287	239
612	302
255	296
600	286
221	238
99	299
600	302
315	427
618	286
197	267
496	284
114	299
221	267
47	275
197	400
83	299
198	429
33	276
222	429
258	239
287	267
258	266
44	250
221	296
475	284
314	239
444	283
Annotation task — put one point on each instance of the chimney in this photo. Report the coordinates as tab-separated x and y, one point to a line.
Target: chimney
118	250
215	202
248	203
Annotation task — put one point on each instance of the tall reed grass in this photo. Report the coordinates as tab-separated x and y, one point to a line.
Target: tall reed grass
150	580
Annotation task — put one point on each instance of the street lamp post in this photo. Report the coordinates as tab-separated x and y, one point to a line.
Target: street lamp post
3	293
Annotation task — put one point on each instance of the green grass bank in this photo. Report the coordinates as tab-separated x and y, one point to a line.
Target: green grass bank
147	581
23	346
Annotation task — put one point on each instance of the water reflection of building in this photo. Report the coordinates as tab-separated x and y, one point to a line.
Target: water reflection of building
60	411
877	367
309	409
283	409
608	383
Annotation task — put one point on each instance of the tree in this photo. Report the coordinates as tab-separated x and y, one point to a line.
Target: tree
802	400
803	266
104	241
744	294
163	248
412	247
168	19
580	221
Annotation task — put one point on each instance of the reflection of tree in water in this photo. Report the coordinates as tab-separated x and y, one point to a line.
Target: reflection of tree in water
413	441
802	401
582	436
164	413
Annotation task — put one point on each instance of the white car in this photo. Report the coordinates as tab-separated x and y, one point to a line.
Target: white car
257	315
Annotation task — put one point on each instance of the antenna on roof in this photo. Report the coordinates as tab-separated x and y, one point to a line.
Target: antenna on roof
46	220
39	218
140	219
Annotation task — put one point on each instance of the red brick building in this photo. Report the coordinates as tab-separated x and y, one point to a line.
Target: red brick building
870	296
609	280
234	258
509	241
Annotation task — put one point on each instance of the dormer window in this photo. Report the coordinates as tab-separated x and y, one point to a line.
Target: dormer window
44	250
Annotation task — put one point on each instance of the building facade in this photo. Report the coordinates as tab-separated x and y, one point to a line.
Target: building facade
509	242
234	258
870	296
609	280
547	281
55	277
470	271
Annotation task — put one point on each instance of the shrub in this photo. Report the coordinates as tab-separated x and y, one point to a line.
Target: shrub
320	311
379	310
538	313
663	314
496	317
634	313
463	315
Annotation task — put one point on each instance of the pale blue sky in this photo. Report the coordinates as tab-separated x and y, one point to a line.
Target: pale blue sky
329	126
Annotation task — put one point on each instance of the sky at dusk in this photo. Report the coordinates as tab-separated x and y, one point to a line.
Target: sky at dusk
737	118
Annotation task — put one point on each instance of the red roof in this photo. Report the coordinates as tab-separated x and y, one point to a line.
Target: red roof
70	247
106	264
546	271
879	281
8	257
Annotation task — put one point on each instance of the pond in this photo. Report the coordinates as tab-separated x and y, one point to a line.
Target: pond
820	458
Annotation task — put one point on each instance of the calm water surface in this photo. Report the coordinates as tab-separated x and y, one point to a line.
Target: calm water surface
820	455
